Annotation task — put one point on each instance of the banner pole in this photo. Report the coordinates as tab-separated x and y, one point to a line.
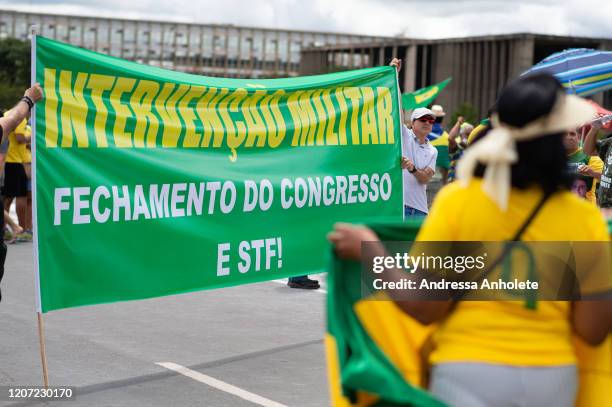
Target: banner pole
41	329
43	351
401	123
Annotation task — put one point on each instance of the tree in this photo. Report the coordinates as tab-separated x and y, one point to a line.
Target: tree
14	70
469	113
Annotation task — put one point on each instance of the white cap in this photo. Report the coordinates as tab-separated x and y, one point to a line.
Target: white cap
420	112
438	111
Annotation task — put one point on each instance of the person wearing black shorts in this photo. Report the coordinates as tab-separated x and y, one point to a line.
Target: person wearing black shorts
16	186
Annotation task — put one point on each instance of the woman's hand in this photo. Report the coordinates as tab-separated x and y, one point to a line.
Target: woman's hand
347	239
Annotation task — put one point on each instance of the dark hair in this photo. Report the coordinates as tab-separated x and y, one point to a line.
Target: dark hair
542	161
587	180
439	119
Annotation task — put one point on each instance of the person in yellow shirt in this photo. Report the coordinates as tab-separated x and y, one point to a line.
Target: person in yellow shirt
15	229
513	185
580	163
15	178
26	159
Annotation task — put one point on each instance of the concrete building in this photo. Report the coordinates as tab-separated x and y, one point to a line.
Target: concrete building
479	66
207	49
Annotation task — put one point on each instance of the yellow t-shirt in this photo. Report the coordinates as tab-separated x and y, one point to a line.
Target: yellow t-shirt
13	154
506	332
596	164
24	151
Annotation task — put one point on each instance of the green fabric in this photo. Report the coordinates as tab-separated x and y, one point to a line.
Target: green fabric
227	181
578	157
443	159
424	96
363	367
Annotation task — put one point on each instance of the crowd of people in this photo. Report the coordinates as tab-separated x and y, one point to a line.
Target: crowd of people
428	148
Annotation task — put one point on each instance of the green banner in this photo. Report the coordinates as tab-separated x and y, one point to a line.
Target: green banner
423	97
150	182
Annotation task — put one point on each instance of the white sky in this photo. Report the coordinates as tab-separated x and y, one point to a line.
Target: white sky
412	18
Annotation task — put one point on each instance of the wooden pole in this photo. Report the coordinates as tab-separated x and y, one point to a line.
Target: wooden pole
41	330
43	352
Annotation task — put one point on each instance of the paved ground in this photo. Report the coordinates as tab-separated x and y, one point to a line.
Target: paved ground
264	339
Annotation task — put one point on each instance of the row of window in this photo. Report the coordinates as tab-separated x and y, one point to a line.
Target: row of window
207	45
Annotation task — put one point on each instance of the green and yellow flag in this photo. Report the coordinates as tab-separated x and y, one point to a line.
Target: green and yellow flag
423	97
373	348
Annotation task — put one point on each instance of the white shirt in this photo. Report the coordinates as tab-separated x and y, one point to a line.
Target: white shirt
422	155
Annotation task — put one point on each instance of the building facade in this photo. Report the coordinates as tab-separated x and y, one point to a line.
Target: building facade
479	66
207	49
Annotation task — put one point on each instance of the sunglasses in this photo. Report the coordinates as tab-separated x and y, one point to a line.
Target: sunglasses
427	120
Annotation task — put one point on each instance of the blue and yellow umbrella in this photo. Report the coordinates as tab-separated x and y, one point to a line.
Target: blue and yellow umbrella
582	71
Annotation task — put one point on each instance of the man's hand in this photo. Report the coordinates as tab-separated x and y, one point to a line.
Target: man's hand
35	92
424	175
397	63
21	110
347	239
588	171
406	164
428	171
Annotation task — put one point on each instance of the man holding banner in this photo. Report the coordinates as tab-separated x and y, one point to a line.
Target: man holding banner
8	123
419	159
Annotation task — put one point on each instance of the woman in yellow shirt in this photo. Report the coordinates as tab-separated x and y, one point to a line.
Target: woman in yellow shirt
501	353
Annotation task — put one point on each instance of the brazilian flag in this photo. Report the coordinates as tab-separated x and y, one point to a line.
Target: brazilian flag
373	348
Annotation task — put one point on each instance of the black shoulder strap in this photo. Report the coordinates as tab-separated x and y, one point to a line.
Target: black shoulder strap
460	294
531	217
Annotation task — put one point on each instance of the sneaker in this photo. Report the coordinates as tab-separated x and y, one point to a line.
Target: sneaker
24	237
305	284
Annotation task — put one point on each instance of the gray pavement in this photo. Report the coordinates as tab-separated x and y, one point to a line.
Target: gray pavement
263	338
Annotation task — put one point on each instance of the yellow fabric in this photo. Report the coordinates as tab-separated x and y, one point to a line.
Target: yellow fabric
505	332
477	130
440	141
13	155
333	379
595	368
596	164
396	334
24	152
